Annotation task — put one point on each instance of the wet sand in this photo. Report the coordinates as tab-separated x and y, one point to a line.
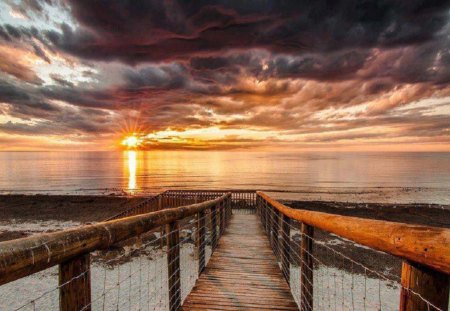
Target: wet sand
420	214
23	215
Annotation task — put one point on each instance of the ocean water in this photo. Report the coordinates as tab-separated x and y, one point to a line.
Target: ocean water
354	177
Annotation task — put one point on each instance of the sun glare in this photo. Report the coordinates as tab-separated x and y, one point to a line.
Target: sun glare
131	142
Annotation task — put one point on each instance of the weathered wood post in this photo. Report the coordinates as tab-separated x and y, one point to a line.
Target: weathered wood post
286	247
161	231
306	272
274	229
230	207
266	218
264	214
227	211
270	216
430	284
173	264
75	284
213	227
222	218
257	206
219	220
201	230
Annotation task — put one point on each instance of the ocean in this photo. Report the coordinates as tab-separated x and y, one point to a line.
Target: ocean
354	177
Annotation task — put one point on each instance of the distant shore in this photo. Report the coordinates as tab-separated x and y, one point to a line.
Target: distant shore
24	215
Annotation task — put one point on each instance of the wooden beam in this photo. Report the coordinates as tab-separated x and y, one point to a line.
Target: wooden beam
429	246
213	227
274	231
306	268
421	286
173	264
285	249
201	231
75	284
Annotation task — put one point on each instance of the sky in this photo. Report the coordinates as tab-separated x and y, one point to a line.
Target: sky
225	75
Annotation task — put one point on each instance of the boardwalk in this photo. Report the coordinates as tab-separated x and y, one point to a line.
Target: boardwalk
242	273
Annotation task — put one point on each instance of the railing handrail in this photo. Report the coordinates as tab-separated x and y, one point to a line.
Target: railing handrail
429	246
25	256
128	210
211	190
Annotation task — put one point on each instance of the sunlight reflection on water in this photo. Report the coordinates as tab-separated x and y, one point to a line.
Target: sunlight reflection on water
132	166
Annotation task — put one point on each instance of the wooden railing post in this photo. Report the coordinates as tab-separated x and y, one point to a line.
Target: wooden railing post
219	220
75	284
286	247
228	207
267	212
213	227
419	281
222	218
266	218
201	230
257	206
161	232
274	229
173	264
306	270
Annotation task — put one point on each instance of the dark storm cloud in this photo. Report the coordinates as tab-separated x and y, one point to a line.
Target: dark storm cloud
23	102
81	97
136	31
26	37
172	76
61	81
48	118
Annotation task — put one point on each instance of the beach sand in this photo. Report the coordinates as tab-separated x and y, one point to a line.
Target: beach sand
23	215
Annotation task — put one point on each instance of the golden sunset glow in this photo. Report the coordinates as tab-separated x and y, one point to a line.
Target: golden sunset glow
131	142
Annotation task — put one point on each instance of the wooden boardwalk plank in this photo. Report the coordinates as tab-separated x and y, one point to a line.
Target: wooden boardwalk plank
242	274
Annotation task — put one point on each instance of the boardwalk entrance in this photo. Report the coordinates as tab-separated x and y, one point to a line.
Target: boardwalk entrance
242	274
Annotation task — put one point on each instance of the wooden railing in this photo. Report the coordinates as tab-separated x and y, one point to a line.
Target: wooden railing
425	250
70	249
240	200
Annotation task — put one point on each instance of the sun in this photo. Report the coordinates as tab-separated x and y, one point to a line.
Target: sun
131	141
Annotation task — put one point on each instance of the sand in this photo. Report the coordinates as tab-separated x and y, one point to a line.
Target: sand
22	215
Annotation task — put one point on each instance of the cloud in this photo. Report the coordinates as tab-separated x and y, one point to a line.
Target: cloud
296	72
13	64
154	30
